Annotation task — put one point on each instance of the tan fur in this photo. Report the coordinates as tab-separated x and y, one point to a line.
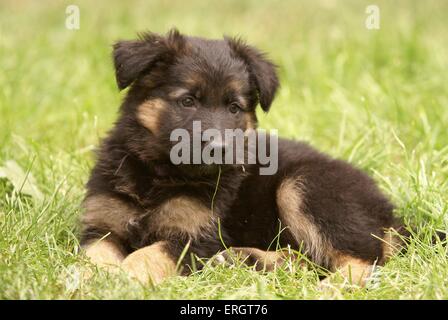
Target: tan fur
236	85
265	260
177	93
108	213
182	215
148	113
104	253
150	264
251	122
354	271
302	228
194	79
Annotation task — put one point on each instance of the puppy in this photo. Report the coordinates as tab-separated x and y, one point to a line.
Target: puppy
148	216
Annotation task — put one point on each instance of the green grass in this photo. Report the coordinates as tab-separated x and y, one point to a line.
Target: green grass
377	98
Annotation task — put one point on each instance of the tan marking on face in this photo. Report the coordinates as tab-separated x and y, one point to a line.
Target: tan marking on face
238	88
194	79
177	93
290	202
150	264
236	85
251	120
105	254
108	213
182	215
148	114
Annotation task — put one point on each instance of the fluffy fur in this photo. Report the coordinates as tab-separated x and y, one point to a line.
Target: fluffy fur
148	210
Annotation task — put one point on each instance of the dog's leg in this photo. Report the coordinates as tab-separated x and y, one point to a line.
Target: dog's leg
105	224
152	264
351	270
260	259
104	253
358	272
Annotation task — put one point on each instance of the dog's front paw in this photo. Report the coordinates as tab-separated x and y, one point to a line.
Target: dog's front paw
261	260
150	264
367	278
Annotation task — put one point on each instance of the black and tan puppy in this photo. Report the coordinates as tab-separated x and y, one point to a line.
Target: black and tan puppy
142	211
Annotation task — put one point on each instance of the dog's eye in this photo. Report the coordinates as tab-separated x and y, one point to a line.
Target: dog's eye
187	102
234	107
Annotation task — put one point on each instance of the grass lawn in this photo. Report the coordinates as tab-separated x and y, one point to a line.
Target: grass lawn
378	98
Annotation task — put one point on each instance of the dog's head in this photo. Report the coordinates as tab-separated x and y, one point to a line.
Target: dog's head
176	80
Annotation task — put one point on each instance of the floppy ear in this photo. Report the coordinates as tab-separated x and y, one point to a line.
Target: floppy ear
261	69
133	57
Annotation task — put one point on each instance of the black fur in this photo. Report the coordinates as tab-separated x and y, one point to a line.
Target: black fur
133	166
